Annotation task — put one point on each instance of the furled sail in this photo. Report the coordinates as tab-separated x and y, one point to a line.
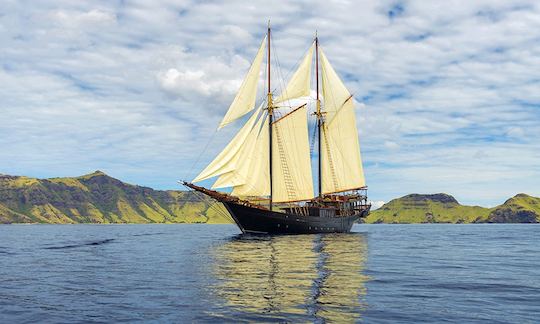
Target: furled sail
292	179
245	98
227	159
340	151
299	84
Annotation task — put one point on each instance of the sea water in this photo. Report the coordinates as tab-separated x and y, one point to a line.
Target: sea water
210	273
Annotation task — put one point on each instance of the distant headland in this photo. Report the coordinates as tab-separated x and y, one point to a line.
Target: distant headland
99	198
443	208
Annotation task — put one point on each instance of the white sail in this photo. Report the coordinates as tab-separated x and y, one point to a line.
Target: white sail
292	179
244	101
334	91
340	152
299	84
240	173
227	159
244	164
256	178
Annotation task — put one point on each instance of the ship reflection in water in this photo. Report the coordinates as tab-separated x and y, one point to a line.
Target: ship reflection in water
292	278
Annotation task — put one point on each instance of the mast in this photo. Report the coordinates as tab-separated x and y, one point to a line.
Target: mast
270	115
319	116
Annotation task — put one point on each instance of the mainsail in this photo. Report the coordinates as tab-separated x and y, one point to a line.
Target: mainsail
291	162
340	151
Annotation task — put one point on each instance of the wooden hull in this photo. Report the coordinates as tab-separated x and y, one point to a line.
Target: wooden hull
260	221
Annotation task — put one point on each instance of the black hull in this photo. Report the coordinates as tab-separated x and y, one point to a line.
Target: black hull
260	221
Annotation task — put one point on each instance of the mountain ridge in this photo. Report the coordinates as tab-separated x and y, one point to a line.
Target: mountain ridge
444	208
99	198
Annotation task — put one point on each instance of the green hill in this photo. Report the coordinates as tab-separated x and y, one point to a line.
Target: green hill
521	208
443	208
436	208
99	198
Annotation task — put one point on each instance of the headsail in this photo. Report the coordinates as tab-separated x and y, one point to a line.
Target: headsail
299	84
291	162
241	173
340	150
244	101
227	159
257	181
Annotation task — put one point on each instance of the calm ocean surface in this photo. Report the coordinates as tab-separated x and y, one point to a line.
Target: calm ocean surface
203	273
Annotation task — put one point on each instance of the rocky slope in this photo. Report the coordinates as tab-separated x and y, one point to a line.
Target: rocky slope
521	208
443	208
99	198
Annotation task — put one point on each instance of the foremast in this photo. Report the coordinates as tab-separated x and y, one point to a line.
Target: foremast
270	117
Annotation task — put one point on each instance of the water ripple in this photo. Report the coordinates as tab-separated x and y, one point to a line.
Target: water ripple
71	246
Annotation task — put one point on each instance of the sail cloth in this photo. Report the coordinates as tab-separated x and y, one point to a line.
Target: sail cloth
299	84
240	175
227	159
244	163
244	101
292	179
341	161
340	151
257	181
333	90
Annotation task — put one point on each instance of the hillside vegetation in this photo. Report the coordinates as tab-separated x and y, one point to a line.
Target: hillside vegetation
443	208
521	208
99	198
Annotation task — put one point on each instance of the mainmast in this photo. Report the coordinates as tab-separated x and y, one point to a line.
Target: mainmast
318	113
270	115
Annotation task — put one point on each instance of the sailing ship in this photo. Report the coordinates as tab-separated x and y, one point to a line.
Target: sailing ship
268	162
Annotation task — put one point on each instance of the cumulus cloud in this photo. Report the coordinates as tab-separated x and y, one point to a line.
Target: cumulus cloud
447	92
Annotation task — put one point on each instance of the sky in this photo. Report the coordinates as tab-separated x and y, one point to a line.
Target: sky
447	92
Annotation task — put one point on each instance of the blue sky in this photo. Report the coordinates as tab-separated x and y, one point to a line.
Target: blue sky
448	93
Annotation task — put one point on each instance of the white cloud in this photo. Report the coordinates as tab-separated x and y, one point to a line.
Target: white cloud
376	204
449	91
391	145
516	132
87	19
